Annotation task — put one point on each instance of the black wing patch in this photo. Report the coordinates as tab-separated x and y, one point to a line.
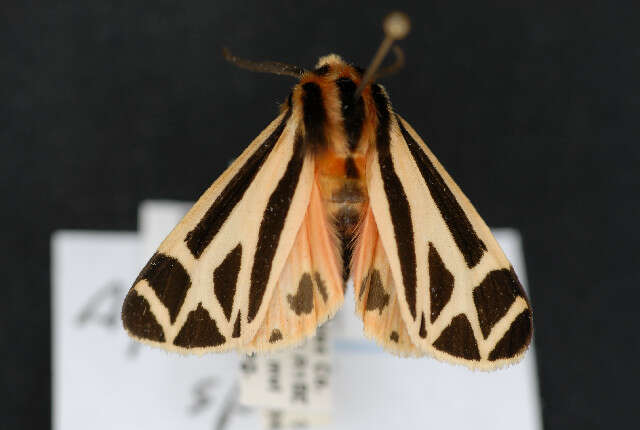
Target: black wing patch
271	227
458	339
494	296
236	327
516	339
169	281
225	277
423	329
201	236
199	331
470	245
398	203
440	282
138	318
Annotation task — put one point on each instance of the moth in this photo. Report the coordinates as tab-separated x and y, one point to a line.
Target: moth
338	186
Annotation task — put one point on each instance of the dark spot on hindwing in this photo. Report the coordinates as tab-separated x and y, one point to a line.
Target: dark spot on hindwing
394	336
271	227
315	117
377	298
440	282
458	339
398	203
168	279
468	242
302	302
423	328
322	288
138	319
276	335
350	169
352	111
199	331
494	296
225	277
236	327
201	236
516	339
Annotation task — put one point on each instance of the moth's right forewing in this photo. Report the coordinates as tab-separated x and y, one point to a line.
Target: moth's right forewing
457	294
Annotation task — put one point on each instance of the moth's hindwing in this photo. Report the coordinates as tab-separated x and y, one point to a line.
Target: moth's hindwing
440	267
375	292
251	266
310	287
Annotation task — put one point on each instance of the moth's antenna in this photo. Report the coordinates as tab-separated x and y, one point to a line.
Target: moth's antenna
274	67
396	26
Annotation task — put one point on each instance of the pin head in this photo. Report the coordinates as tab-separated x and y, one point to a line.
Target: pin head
396	25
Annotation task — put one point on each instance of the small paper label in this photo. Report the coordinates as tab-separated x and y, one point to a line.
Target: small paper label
299	379
273	419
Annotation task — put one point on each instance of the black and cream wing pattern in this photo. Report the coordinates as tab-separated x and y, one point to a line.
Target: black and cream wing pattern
334	188
430	277
240	271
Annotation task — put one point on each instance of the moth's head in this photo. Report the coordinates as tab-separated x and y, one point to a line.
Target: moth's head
332	69
331	63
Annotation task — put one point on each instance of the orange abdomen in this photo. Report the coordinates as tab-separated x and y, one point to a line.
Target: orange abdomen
343	190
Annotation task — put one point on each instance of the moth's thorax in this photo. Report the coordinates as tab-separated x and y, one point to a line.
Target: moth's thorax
333	119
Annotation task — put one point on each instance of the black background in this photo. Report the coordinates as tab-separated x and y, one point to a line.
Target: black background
532	107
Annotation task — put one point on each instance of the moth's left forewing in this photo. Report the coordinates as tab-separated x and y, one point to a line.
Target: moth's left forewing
209	285
458	295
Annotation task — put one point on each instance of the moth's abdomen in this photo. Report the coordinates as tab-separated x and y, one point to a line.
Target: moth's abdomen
344	193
